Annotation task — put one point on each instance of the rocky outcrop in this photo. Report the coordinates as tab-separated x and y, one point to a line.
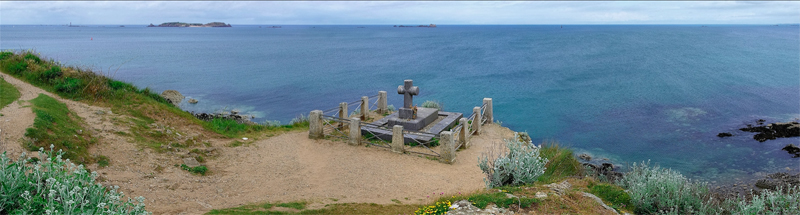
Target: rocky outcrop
778	180
724	134
172	96
773	130
463	207
192	101
604	169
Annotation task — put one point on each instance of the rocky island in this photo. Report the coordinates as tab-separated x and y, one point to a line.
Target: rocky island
182	24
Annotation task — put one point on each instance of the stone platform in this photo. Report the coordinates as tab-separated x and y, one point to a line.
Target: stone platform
450	119
425	116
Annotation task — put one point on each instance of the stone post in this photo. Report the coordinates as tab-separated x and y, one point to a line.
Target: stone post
355	131
364	107
476	123
383	107
343	110
488	112
398	141
447	150
462	136
315	125
343	114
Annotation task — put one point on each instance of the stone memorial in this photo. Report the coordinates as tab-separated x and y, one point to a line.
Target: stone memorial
411	120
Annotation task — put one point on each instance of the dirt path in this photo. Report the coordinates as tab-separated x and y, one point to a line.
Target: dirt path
288	167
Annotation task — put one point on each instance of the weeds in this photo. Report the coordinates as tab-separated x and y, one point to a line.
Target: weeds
103	161
195	170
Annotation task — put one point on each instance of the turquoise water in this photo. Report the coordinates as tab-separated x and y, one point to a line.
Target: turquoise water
628	93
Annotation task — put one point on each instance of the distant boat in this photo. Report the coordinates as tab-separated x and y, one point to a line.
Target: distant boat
121	26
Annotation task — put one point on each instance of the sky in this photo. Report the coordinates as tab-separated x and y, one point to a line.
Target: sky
399	12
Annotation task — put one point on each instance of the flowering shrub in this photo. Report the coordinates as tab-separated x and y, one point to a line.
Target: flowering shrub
50	185
518	163
436	209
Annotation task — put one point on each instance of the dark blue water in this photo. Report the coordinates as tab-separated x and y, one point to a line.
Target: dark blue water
629	93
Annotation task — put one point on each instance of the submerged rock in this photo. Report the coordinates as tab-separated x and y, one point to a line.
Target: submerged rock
792	149
724	134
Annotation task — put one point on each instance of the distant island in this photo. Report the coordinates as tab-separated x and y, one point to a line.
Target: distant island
182	24
420	26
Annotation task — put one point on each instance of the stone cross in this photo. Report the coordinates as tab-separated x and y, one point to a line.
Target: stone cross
408	91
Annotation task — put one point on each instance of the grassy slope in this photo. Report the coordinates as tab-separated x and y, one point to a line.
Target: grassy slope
145	106
57	125
8	93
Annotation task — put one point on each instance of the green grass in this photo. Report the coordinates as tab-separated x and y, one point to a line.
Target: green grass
8	93
103	161
561	163
264	208
231	128
615	196
55	124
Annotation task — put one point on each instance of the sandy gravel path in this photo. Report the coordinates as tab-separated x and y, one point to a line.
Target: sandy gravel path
288	167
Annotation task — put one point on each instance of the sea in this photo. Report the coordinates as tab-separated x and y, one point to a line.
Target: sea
626	93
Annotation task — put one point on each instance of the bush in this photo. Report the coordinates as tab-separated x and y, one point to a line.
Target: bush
50	74
69	85
31	56
518	163
4	55
432	104
654	190
49	185
299	121
119	85
16	68
768	202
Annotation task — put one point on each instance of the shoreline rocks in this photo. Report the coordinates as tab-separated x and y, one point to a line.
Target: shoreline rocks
173	96
601	167
234	115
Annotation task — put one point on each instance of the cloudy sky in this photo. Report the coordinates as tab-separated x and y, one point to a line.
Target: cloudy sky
403	12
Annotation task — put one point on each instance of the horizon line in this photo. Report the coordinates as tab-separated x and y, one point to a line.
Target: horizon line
453	24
